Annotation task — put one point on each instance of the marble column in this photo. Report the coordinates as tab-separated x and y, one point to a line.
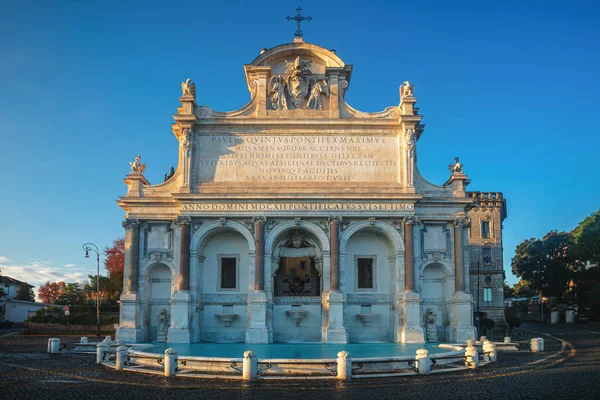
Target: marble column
257	299
409	254
336	331
130	314
459	271
334	254
410	305
259	255
132	255
460	326
179	331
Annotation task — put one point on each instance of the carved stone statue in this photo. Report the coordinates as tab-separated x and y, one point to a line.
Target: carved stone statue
456	166
277	91
406	90
318	88
298	80
137	167
163	326
188	88
430	327
291	90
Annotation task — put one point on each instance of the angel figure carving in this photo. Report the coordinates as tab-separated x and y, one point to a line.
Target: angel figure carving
314	101
188	88
406	89
137	167
277	91
456	166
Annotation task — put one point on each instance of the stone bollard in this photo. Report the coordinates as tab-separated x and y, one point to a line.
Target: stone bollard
570	316
423	362
344	366
537	344
471	355
489	350
554	317
83	340
507	339
483	339
249	366
170	362
121	357
53	345
101	349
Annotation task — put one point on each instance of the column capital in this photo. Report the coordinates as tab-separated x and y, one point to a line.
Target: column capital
462	222
131	223
337	219
411	220
183	220
260	218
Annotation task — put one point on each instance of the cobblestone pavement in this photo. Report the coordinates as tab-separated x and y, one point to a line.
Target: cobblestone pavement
573	373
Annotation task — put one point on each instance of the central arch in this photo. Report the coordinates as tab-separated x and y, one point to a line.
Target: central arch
297	267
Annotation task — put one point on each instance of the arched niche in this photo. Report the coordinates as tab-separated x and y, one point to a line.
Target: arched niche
296	264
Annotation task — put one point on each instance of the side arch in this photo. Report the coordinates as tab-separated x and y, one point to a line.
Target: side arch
208	229
384	229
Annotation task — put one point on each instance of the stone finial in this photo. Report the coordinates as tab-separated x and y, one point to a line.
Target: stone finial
456	166
249	354
406	90
344	355
188	89
137	167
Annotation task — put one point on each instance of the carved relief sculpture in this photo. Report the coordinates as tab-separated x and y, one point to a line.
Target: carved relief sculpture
456	166
137	167
299	80
430	327
188	88
163	326
277	91
406	90
318	88
300	84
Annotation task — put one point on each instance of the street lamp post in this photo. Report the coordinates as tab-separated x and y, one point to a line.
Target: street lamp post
88	247
478	314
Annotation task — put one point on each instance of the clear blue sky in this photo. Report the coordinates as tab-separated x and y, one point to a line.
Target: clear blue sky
509	86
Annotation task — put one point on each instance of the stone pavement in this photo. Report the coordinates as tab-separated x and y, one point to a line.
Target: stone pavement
573	373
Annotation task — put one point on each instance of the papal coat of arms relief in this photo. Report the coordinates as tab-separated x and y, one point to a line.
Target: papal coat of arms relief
297	88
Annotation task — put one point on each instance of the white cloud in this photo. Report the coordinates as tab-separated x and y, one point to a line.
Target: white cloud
37	273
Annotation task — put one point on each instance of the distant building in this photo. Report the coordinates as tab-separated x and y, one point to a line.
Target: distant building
10	287
485	254
18	311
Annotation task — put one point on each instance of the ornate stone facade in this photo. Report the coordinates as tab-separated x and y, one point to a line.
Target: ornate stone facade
297	218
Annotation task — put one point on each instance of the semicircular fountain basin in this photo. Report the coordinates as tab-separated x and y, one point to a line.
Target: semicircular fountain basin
295	350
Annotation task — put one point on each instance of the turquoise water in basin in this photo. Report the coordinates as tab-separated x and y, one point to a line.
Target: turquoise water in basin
295	350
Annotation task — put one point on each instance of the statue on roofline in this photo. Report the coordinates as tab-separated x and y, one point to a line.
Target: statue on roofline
137	167
188	88
456	166
406	89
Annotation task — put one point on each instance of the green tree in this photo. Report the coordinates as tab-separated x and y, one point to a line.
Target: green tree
586	238
522	289
25	293
508	291
72	294
546	264
89	288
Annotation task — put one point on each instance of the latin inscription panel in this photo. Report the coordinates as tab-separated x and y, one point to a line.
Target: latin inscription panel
296	158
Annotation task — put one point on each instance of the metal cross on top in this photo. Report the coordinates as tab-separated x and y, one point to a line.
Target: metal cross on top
298	18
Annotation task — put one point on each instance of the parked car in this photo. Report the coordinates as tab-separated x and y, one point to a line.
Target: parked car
4	323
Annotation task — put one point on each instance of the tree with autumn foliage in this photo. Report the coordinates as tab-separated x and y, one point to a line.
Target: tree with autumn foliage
49	292
114	264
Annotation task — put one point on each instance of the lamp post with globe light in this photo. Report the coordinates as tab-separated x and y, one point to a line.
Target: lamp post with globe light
88	247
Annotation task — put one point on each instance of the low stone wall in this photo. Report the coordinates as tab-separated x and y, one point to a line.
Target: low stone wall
37	328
